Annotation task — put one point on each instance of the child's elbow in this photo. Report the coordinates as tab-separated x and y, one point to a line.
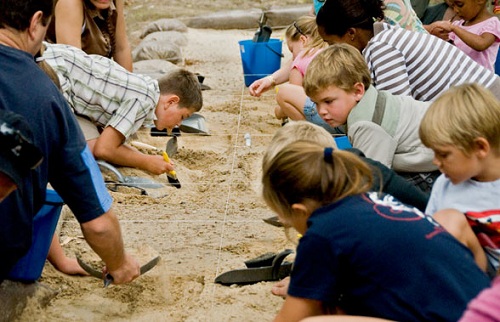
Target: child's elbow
101	152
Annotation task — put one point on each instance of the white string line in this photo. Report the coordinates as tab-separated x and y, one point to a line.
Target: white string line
224	221
187	221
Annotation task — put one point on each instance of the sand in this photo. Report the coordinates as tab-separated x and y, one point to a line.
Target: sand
209	226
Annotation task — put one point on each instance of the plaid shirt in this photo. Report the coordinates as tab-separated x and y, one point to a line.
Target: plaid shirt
103	91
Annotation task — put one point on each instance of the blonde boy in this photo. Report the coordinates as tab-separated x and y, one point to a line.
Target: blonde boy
112	103
383	126
463	128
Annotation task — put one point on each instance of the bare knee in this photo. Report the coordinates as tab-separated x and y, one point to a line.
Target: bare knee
454	222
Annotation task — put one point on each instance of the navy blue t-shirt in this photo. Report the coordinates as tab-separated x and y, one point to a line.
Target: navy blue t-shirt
374	256
68	164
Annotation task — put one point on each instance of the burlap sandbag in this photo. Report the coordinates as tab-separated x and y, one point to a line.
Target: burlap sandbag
174	37
164	25
157	50
154	68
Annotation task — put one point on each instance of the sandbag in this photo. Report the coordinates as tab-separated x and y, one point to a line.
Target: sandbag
157	50
164	25
234	19
174	37
154	68
285	16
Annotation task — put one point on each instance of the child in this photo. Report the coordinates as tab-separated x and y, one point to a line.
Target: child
305	43
463	128
362	252
477	33
297	36
112	103
383	126
385	179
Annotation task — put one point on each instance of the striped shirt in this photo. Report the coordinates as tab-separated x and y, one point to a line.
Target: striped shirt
420	65
98	88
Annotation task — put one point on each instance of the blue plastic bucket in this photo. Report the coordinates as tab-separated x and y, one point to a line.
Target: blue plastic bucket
29	268
260	59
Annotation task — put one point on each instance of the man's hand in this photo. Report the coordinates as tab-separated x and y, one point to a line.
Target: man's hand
127	272
103	234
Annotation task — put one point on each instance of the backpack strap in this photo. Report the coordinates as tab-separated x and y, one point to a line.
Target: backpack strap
378	114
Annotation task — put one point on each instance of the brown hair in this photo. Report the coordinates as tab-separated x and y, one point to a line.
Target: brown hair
301	172
459	116
339	65
47	69
184	84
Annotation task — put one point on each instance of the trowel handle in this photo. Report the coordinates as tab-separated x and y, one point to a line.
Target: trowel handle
263	19
167	159
142	145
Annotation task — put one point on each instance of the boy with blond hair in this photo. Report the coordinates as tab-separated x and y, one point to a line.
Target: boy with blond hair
383	126
112	103
463	128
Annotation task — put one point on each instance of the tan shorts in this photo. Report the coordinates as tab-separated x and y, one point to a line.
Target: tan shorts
89	129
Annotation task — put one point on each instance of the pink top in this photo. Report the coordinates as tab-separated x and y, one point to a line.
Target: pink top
486	306
301	62
488	56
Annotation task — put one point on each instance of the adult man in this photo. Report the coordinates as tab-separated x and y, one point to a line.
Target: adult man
68	164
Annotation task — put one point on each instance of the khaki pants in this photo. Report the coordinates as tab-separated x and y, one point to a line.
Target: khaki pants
89	129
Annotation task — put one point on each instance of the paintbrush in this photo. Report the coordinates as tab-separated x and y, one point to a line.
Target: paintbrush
171	175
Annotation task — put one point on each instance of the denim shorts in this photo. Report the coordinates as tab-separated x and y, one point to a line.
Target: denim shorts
312	116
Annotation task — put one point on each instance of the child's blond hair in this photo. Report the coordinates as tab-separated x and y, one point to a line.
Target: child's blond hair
306	171
294	131
339	65
184	84
461	115
306	26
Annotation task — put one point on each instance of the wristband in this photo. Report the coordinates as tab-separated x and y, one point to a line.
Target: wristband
272	80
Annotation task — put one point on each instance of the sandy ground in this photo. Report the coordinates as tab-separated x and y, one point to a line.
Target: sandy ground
209	226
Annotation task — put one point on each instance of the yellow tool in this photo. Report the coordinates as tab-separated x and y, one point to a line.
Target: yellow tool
171	175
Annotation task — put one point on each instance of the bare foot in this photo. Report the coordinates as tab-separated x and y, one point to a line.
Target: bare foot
70	266
281	288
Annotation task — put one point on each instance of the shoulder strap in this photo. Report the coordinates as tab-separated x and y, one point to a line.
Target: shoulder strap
378	114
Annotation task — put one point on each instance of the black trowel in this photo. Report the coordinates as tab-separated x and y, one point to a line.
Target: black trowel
264	32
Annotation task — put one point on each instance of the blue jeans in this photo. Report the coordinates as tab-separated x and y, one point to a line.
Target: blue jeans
312	116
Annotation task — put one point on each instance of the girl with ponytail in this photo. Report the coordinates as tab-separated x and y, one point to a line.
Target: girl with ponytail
361	252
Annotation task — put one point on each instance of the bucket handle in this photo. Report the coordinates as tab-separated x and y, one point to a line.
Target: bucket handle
274	51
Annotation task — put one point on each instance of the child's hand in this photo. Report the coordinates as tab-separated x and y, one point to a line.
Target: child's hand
281	287
260	86
157	165
441	29
444	25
